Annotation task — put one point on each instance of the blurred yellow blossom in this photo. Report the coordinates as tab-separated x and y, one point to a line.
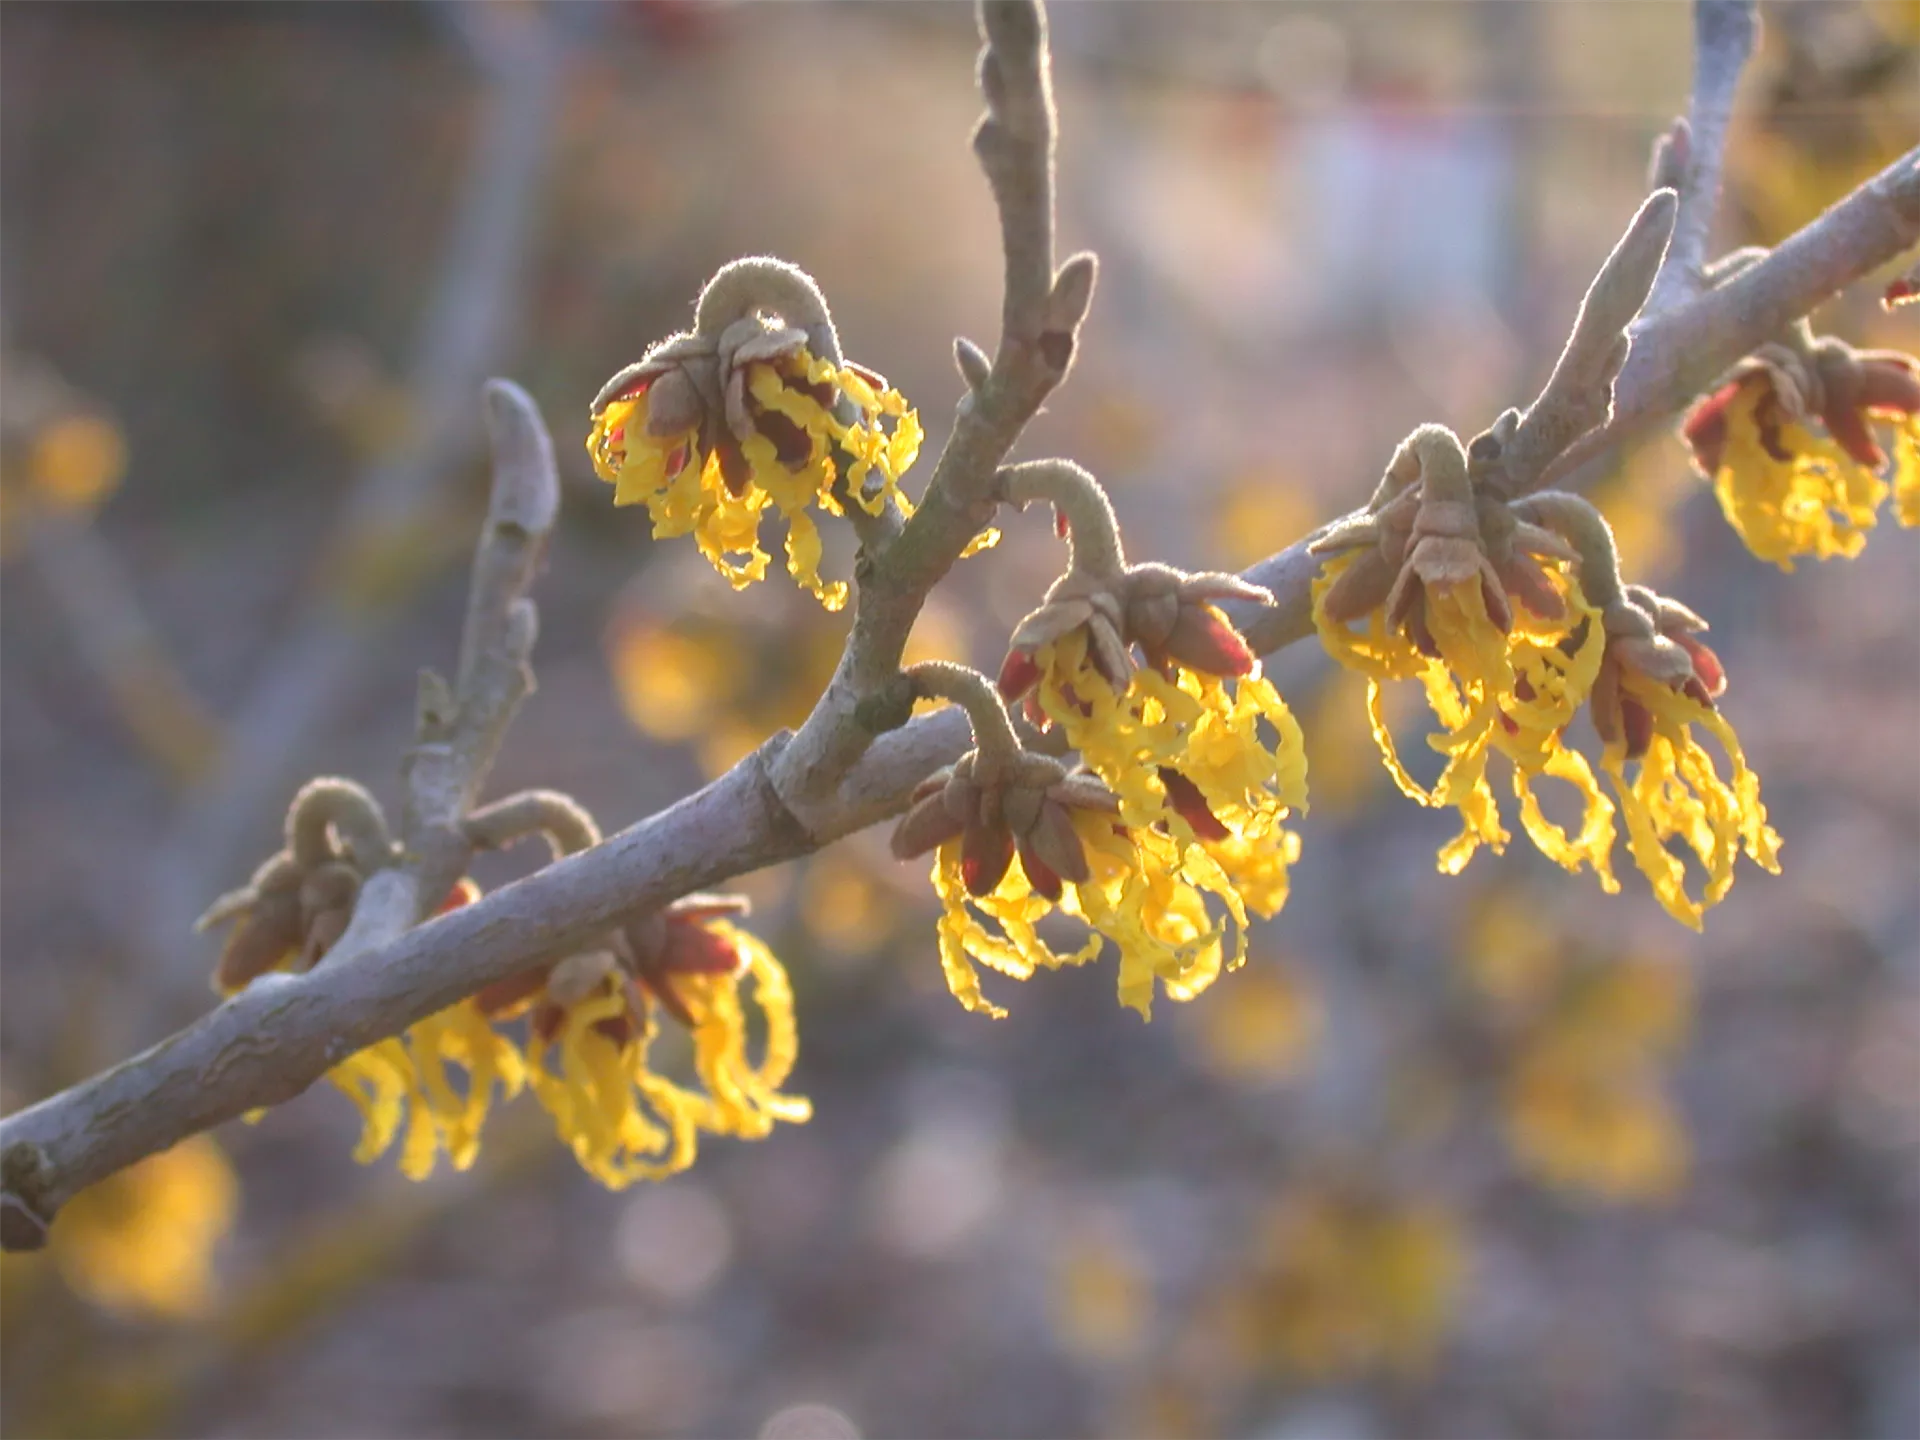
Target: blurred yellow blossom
1259	514
1264	1029
77	460
1345	1283
141	1241
673	683
1101	1299
1585	1108
844	907
1583	1122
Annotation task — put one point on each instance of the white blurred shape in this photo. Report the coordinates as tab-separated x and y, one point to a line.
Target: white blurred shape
938	1186
1321	1418
809	1422
608	1364
674	1240
1304	61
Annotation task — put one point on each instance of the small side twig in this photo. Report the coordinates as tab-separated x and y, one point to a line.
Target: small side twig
460	727
390	511
1578	396
1678	353
1040	322
567	826
1723	36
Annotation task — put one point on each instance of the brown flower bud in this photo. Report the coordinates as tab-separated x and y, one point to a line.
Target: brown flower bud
1653	638
1433	530
1171	615
1025	808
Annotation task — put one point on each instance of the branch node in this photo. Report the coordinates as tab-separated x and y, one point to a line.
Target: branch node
434	707
24	1214
887	708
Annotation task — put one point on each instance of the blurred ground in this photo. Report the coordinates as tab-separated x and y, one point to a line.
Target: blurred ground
1352	1191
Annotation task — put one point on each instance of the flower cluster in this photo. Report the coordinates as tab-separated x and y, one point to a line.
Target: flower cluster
1789	444
753	408
593	1021
1172	830
1459	592
293	911
1196	744
1512	616
592	1017
1017	835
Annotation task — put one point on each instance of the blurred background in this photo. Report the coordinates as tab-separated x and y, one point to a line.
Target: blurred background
1488	1156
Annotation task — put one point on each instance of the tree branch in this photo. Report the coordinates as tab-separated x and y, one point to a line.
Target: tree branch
460	730
1680	352
1040	320
1723	35
283	1032
240	1044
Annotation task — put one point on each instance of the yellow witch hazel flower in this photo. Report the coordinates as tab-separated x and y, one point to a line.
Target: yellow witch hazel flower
1789	444
753	409
287	919
1586	1107
431	1088
1657	681
1016	836
593	1023
1196	744
1454	593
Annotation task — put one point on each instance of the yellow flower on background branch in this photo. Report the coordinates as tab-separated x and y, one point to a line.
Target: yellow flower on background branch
1789	445
1585	1089
59	451
753	409
142	1241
